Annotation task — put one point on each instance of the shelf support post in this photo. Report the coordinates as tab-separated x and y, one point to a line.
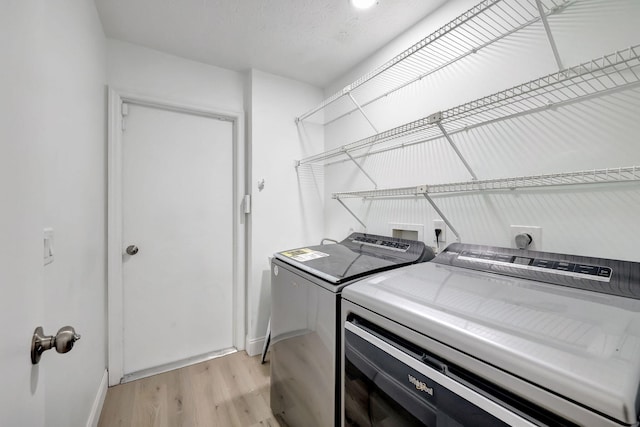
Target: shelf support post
444	218
547	28
351	212
361	168
362	112
455	148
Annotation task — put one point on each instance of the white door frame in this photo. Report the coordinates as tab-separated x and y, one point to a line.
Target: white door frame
115	289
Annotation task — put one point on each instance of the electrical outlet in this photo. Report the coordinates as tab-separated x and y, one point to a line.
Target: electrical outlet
442	239
534	231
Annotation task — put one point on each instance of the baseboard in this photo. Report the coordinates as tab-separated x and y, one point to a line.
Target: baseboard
254	346
96	408
144	373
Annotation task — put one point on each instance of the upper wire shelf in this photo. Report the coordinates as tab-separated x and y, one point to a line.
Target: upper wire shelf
595	176
614	71
477	28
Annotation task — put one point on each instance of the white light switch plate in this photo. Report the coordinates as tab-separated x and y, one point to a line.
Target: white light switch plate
48	246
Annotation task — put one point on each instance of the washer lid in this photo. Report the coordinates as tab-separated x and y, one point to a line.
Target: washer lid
579	344
334	263
356	256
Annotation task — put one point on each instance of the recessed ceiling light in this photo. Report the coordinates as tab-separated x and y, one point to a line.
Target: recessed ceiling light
363	4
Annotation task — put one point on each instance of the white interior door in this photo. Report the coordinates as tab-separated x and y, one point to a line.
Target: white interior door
21	269
21	292
178	206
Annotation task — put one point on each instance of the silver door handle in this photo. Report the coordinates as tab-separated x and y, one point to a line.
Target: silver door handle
62	342
132	250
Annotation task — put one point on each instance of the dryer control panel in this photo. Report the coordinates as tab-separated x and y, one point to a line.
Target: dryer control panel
562	267
603	275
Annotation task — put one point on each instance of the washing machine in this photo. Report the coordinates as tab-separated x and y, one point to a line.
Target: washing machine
487	336
306	285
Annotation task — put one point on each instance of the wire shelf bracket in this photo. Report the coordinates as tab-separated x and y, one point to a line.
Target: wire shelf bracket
455	148
547	29
362	112
444	218
361	169
351	212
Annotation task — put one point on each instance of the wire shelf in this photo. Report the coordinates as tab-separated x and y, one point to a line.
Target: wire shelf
615	71
387	192
477	28
595	176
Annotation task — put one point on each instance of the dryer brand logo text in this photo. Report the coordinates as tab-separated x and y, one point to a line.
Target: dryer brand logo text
420	386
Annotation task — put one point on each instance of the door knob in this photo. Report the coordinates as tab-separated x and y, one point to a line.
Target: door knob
132	250
62	341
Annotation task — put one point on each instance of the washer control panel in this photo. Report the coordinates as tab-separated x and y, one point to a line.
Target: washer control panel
394	245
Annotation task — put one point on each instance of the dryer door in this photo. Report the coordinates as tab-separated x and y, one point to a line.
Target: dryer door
386	384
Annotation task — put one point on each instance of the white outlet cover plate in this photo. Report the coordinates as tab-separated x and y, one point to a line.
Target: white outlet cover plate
534	231
419	228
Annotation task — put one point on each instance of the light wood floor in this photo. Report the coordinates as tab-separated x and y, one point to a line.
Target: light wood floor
228	391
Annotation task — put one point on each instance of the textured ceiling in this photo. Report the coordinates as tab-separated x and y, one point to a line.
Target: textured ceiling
314	41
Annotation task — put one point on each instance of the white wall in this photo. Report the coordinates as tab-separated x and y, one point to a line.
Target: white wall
55	84
287	212
598	133
137	70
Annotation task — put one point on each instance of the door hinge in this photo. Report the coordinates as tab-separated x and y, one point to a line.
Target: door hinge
246	203
124	111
